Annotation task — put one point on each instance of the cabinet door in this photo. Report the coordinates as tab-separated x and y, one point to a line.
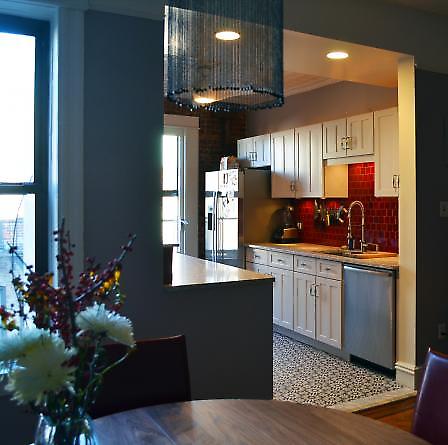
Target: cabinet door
333	142
283	297
329	311
262	151
308	146
386	152
360	135
304	304
245	151
283	165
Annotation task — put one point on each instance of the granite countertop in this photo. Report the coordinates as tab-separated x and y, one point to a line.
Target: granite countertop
189	271
319	251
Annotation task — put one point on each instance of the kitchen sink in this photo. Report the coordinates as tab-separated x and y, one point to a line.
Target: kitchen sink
360	255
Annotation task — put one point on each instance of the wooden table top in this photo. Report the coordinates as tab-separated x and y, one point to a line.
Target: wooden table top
252	422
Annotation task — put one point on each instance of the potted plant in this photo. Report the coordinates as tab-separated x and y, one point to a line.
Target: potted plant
52	347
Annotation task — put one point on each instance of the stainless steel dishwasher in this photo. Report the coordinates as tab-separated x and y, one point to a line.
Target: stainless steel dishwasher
369	309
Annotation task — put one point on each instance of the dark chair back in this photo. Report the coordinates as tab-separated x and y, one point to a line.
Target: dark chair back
156	372
431	408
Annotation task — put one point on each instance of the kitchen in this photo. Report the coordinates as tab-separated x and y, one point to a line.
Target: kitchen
332	156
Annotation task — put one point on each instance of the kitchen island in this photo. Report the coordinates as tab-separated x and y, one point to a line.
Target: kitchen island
191	272
226	316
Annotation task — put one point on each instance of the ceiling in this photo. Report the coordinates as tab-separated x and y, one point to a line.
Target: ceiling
306	66
434	6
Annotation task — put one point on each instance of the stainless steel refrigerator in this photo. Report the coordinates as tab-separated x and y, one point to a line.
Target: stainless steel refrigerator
238	210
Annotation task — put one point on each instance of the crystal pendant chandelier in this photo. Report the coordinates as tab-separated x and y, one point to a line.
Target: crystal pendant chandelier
224	55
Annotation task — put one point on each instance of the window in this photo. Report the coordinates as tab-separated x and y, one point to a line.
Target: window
171	204
24	130
180	183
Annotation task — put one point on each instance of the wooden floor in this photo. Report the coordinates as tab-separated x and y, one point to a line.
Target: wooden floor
398	414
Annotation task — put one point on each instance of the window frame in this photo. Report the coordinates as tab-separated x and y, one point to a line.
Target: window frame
40	186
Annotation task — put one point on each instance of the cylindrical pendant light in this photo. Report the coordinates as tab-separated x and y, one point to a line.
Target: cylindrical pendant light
224	55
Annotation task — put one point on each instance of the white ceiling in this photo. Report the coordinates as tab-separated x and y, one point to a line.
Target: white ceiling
296	83
306	66
435	6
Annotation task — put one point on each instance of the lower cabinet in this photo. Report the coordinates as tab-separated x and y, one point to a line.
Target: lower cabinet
318	308
308	303
283	296
304	304
329	311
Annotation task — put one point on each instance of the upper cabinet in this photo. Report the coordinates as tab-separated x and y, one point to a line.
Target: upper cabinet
308	153
245	148
262	151
334	139
386	152
297	168
348	137
360	135
283	170
256	151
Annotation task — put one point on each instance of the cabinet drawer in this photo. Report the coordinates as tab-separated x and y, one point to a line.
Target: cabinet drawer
281	260
305	264
258	256
329	269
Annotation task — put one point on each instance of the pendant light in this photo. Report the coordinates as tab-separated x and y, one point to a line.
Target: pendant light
224	55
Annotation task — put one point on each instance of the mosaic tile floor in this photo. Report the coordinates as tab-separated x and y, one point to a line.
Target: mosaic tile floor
303	374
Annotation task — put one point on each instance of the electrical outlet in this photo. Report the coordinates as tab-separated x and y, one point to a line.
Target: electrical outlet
444	209
441	328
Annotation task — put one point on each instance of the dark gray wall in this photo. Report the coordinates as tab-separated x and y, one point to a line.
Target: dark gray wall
327	103
122	152
432	230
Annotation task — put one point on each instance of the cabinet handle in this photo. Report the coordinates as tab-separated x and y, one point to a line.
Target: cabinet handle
348	142
311	290
302	264
257	256
315	290
328	269
343	143
279	260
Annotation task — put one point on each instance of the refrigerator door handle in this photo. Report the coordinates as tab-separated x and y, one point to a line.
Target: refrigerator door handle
215	225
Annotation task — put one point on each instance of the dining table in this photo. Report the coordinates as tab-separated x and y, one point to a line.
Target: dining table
241	421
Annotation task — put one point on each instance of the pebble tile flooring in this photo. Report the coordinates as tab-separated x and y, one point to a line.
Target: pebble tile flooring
306	375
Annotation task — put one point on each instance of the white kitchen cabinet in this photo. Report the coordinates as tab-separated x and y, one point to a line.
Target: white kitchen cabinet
352	136
245	148
255	151
308	155
334	139
304	304
309	303
387	171
261	151
329	311
283	165
283	310
360	135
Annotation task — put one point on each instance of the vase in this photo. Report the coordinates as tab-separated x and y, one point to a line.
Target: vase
70	431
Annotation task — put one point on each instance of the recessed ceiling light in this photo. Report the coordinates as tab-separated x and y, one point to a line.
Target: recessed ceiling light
203	100
337	55
227	35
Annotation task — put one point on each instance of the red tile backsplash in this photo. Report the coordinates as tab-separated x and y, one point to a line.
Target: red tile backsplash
381	214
